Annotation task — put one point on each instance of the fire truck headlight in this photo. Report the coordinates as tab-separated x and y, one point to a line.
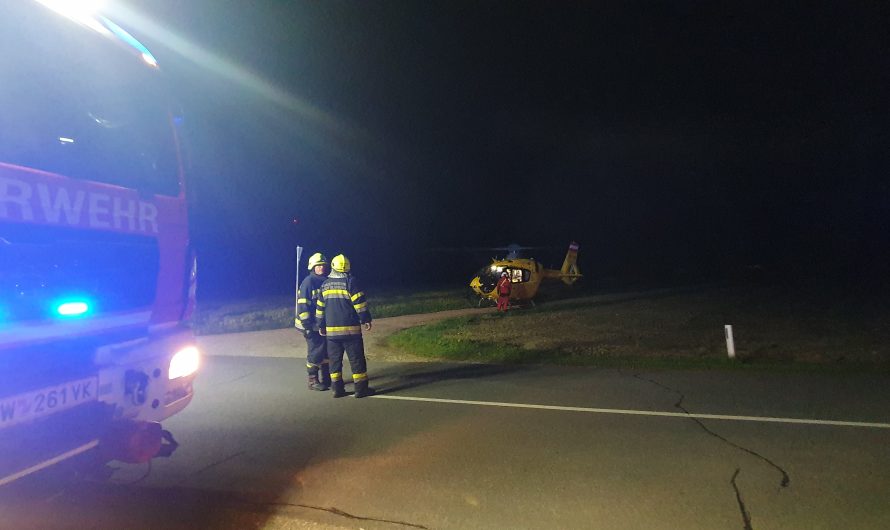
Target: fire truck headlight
184	363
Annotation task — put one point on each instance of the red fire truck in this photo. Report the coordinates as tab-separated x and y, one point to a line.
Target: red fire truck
97	276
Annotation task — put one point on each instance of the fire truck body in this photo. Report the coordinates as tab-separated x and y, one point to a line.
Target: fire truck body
97	277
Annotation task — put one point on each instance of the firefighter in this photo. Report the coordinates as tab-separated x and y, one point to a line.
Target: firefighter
342	313
504	289
317	364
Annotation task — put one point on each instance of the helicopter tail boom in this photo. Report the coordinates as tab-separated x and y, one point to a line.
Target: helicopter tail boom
569	273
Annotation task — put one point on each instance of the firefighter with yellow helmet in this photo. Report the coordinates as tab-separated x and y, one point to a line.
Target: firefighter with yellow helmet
317	364
342	312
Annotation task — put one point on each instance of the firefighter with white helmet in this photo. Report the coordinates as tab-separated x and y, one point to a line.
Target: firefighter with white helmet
317	363
342	313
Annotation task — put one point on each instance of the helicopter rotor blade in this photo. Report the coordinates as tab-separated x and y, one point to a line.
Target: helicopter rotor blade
488	249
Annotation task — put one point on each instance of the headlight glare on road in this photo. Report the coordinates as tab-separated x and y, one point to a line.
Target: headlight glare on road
184	363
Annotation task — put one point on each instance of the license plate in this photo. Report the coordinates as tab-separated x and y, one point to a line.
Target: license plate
36	404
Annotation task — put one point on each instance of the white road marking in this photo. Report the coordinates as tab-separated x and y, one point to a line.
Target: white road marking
47	463
763	419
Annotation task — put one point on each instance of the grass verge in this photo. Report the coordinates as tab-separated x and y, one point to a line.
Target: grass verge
398	304
775	329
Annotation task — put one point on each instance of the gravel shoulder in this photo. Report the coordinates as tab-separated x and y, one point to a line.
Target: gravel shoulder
289	343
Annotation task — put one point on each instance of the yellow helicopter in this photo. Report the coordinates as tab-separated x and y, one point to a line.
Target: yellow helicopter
525	274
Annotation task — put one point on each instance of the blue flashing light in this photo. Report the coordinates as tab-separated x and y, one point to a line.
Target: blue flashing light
74	308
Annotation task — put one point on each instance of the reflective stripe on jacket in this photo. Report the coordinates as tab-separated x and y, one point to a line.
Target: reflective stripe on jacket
307	300
342	307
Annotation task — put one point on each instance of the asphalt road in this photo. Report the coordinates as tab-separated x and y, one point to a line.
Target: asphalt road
258	450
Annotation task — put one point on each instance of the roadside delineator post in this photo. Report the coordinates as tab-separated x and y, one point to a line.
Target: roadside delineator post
297	290
730	344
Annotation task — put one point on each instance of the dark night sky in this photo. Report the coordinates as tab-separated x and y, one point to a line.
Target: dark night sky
662	136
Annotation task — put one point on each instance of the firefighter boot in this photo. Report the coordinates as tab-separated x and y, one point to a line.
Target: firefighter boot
339	388
325	375
314	384
362	389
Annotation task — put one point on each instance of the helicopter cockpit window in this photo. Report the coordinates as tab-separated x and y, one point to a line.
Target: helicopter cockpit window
488	278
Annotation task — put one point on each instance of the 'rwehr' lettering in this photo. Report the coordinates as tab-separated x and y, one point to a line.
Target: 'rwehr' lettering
20	200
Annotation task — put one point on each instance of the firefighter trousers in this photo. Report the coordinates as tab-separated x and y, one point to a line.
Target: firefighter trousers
354	347
317	352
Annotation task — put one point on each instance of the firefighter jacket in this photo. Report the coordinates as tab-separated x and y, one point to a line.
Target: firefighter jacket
307	300
342	306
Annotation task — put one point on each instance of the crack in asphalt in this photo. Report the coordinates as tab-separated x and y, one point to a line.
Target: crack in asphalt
746	517
786	480
335	511
214	464
248	374
784	483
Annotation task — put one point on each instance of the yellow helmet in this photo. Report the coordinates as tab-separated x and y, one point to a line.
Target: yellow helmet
340	263
317	259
